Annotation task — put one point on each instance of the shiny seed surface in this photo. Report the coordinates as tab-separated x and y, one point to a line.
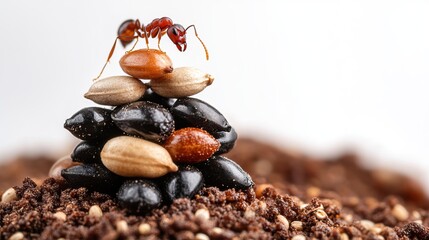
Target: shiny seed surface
90	123
221	172
226	139
151	96
184	183
87	152
139	196
191	145
116	90
143	119
182	82
92	176
146	63
192	112
135	157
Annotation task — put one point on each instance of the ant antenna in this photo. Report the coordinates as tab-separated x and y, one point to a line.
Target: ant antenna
201	41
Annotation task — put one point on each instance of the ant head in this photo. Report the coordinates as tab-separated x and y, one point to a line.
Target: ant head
177	35
126	31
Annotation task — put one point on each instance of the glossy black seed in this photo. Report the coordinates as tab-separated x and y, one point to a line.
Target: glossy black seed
87	152
143	119
184	183
227	140
92	176
221	172
192	112
139	196
91	123
151	96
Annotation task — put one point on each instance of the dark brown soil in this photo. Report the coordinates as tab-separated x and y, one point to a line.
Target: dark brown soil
312	198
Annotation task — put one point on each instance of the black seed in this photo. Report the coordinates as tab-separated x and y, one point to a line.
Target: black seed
91	124
192	112
87	152
151	96
184	183
221	172
227	140
92	176
143	119
139	196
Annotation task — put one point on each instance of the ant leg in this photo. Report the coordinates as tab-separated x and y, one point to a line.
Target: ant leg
201	41
108	58
159	38
137	40
145	36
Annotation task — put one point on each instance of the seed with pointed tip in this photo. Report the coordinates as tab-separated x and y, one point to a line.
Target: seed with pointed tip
184	183
139	196
182	82
146	63
143	119
91	123
191	145
92	176
221	172
116	90
226	139
135	157
192	112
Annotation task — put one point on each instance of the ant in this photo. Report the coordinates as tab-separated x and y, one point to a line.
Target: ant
133	29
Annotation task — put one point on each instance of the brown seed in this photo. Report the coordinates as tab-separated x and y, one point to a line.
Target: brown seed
60	216
182	82
136	157
191	145
261	188
144	228
116	90
146	63
17	236
62	163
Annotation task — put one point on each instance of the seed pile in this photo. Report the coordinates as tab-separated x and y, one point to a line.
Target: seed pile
157	143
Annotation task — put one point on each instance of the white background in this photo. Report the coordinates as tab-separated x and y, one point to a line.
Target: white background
320	76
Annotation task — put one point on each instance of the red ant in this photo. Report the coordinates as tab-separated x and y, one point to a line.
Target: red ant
132	29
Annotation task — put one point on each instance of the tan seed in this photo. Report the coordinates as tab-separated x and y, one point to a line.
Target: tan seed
400	212
17	236
202	214
9	196
367	224
144	229
95	211
182	82
60	216
116	90
344	236
201	236
320	214
122	226
297	225
135	157
62	163
299	237
217	230
146	63
249	213
282	220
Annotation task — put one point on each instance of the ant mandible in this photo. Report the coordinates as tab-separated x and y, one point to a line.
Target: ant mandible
133	29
